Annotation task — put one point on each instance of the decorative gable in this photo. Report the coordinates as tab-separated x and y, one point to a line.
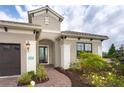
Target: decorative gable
46	17
42	10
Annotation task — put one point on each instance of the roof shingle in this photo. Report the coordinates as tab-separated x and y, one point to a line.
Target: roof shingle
81	34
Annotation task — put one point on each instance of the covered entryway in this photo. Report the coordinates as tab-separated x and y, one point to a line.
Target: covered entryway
9	59
46	51
43	52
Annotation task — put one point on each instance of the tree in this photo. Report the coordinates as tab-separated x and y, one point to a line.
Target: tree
120	54
112	51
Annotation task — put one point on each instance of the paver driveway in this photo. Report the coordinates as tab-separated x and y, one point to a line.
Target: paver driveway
8	82
56	79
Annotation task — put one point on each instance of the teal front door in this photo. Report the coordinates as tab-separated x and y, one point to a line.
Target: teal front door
43	54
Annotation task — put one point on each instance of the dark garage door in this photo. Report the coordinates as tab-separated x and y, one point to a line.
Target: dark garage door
9	59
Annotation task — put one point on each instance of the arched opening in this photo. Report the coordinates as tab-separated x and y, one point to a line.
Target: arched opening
46	51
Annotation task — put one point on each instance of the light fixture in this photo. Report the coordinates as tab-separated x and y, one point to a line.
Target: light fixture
27	45
79	38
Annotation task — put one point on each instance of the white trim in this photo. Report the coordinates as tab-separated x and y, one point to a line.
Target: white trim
19	26
51	31
12	76
48	53
43	8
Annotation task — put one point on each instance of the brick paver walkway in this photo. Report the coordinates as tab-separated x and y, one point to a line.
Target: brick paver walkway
56	79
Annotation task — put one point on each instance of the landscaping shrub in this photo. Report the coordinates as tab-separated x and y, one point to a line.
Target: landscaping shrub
96	79
119	68
31	73
38	77
104	79
41	73
90	62
24	79
75	66
97	72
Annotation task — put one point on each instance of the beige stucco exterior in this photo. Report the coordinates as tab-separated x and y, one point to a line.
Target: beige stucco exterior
54	23
7	37
73	41
60	50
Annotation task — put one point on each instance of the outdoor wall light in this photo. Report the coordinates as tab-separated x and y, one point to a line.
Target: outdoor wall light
27	45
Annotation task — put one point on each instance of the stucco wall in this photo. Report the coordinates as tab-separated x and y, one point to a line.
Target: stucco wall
72	42
48	35
7	37
49	38
54	23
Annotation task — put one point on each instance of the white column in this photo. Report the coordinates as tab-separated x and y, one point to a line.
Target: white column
31	57
100	50
65	56
57	62
97	47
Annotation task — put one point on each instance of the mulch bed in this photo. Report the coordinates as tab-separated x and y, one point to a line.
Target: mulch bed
75	78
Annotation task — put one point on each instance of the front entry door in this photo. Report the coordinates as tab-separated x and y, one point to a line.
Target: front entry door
43	54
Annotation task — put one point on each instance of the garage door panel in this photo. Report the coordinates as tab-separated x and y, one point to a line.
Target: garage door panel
9	59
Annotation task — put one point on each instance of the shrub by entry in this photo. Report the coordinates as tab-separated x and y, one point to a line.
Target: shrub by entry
38	77
41	74
24	79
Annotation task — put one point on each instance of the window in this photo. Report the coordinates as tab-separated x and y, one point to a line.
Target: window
46	20
86	47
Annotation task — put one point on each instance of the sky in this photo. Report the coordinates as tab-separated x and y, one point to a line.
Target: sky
95	19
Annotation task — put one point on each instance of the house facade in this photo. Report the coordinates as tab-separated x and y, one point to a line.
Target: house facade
24	45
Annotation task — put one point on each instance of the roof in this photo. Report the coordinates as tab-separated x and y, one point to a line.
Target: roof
22	25
42	9
83	35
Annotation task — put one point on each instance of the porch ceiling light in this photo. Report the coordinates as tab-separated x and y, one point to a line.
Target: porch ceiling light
27	45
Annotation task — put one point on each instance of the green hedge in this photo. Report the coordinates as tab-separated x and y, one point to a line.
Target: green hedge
89	61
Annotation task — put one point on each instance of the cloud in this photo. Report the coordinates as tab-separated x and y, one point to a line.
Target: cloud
104	20
31	7
73	16
22	13
109	21
4	16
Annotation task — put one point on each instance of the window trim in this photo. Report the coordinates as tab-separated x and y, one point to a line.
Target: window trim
91	47
83	43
